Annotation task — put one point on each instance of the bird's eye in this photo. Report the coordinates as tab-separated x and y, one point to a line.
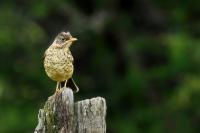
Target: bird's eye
63	39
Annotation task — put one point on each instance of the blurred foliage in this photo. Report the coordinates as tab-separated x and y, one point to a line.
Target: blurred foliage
142	56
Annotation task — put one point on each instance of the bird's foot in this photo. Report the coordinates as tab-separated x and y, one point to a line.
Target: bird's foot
58	91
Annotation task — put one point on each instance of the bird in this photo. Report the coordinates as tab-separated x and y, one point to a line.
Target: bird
58	61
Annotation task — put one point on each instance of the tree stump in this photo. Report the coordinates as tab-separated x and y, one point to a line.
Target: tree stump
61	115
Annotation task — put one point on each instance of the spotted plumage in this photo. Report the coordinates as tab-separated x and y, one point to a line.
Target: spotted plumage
58	61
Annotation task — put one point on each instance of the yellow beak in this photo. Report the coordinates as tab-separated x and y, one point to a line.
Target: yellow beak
73	39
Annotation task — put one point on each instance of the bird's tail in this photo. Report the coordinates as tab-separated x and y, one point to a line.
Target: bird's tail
71	84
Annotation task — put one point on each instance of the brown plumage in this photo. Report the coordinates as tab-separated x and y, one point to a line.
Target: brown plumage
58	61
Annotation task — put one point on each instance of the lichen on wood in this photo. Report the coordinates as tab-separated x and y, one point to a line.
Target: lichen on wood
61	115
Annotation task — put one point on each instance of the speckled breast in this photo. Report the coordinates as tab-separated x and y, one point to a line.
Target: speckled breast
58	64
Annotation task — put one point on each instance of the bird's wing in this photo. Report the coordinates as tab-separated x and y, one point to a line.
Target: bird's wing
44	55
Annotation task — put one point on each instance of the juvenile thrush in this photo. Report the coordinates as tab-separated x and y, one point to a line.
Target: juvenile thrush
58	61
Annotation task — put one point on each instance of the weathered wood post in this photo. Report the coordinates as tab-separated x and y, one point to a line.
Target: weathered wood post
61	115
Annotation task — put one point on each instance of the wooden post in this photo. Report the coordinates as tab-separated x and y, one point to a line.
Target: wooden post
61	115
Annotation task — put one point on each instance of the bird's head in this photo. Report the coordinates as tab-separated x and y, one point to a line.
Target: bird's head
64	39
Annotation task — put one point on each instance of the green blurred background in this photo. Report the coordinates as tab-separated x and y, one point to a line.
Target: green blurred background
141	55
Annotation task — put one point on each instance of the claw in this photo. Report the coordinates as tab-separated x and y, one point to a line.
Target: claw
58	89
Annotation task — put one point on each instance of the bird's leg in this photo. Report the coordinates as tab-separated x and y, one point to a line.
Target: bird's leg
65	85
58	87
